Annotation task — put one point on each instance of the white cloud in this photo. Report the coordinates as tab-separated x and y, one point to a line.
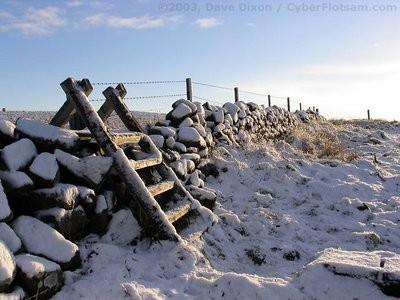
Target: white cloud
143	22
75	3
208	22
36	21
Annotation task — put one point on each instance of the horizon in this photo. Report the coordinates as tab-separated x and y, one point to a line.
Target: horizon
342	58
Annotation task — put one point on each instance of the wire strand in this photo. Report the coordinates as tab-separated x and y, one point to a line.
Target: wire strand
139	82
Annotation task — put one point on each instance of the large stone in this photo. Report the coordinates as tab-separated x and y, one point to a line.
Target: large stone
18	155
7	267
44	170
47	137
90	170
191	137
206	196
40	277
166	132
5	211
6	133
8	236
61	195
16	294
17	181
40	239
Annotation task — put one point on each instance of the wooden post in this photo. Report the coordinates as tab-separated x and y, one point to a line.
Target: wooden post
269	100
317	111
156	220
189	91
67	110
369	116
115	97
313	108
288	104
236	91
300	107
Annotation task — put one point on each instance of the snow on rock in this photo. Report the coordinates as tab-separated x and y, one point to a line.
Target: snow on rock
44	170
6	132
7	267
158	140
16	294
8	236
5	211
122	229
99	220
191	137
41	239
47	137
39	276
61	195
92	170
180	112
19	154
166	132
16	180
380	268
207	197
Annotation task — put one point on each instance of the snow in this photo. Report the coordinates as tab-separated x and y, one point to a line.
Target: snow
35	266
40	239
101	204
16	294
16	179
7	128
281	215
5	210
8	236
191	136
7	264
61	195
42	131
45	165
17	155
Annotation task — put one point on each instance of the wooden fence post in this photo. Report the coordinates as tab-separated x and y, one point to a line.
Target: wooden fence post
300	107
368	113
236	90
269	100
313	108
288	104
317	111
189	91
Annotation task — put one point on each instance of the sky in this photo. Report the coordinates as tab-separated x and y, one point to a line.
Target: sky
342	57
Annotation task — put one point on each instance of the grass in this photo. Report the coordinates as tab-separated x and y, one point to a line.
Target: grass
320	140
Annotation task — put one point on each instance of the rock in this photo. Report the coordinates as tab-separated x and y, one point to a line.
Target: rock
206	197
40	277
16	182
190	166
186	123
8	236
170	142
201	130
47	137
44	170
181	148
40	239
7	267
87	198
6	133
5	211
158	140
179	113
194	157
61	195
70	223
191	137
218	116
194	179
180	168
233	110
192	105
166	132
208	168
90	170
18	155
16	294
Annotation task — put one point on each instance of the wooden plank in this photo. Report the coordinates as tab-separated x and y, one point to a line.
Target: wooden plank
175	213
145	163
153	220
160	188
126	138
114	95
106	110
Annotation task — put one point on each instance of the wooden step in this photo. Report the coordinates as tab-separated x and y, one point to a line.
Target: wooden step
160	188
145	163
175	211
118	138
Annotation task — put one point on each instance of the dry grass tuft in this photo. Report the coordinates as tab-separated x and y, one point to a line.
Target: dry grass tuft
320	140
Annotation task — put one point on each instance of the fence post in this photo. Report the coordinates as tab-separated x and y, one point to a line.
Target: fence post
317	111
236	90
313	108
269	100
189	91
300	107
368	113
288	104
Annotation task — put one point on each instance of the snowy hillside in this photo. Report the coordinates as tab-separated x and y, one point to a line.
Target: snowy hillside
288	226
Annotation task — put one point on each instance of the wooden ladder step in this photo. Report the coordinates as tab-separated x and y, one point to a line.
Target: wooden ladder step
148	162
177	210
161	187
117	138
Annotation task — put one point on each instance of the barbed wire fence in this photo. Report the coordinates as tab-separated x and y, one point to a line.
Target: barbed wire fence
199	91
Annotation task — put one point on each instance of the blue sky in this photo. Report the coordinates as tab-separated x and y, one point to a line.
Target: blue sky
333	55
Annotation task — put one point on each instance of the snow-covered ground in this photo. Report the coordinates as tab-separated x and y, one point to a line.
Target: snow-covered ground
288	226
